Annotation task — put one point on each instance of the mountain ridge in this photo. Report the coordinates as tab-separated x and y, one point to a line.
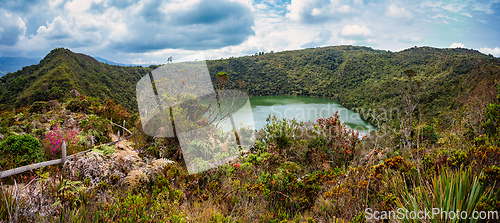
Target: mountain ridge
61	71
360	78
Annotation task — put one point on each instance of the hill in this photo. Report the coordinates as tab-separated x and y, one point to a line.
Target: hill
370	81
61	71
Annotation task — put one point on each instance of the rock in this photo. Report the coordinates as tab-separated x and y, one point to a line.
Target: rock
65	112
36	125
71	123
53	104
75	93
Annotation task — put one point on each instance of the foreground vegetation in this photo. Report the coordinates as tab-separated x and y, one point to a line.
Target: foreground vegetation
296	172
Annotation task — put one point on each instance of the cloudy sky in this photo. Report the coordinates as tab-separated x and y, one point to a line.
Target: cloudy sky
150	31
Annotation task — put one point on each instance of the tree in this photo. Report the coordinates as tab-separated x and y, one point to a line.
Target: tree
409	105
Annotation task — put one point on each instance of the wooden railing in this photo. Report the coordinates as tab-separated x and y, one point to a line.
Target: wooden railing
64	158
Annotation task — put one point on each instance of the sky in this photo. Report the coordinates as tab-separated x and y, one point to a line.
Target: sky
150	31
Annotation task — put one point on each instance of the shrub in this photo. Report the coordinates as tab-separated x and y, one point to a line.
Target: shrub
132	208
284	137
491	125
396	163
429	134
114	111
25	149
343	143
38	107
79	105
54	140
105	150
98	127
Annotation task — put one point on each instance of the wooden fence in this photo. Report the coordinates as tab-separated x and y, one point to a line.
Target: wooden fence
64	158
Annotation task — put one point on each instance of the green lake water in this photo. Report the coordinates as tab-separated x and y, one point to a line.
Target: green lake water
304	108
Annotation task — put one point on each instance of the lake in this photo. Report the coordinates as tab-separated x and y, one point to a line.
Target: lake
303	108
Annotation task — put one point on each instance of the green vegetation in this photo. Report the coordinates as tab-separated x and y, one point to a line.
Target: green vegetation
442	151
21	150
370	81
60	72
448	192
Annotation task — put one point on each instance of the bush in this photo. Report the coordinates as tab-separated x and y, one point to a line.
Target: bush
25	149
79	105
429	134
98	127
490	125
38	107
344	143
55	138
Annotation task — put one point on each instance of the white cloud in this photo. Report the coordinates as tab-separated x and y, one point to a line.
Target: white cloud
493	51
467	14
444	16
397	12
78	5
57	29
319	40
12	28
317	11
453	7
152	30
145	25
457	45
355	32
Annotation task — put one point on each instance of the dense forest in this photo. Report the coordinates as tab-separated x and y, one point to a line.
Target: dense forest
367	80
441	150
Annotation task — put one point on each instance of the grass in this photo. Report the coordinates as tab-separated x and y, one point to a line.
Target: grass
448	191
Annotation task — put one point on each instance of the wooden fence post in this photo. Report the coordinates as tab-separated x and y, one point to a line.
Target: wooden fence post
64	153
135	141
123	128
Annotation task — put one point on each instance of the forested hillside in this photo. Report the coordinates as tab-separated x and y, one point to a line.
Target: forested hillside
366	79
360	78
60	72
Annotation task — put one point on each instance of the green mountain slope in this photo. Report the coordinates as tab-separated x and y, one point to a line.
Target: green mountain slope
358	77
60	72
370	80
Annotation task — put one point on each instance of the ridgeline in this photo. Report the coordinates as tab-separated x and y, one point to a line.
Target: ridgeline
360	78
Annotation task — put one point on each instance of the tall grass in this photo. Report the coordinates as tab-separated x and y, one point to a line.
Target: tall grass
448	192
